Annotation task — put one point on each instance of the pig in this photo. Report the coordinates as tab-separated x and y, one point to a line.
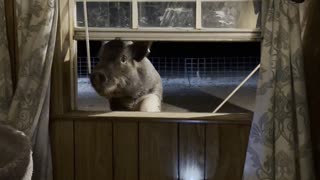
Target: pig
125	76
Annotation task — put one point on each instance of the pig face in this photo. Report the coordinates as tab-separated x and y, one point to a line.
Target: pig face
121	71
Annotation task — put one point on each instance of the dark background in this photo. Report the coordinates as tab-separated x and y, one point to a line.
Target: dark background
188	49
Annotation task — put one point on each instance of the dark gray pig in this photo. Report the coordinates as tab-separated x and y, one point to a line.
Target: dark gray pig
126	77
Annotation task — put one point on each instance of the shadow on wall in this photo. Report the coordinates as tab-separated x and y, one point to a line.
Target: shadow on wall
196	101
311	47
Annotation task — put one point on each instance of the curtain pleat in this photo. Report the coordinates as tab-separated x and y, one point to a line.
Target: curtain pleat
27	109
279	145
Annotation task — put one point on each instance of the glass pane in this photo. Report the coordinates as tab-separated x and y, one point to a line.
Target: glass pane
166	14
105	14
231	14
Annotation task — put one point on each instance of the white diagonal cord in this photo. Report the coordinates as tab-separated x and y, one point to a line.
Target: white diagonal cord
87	35
237	88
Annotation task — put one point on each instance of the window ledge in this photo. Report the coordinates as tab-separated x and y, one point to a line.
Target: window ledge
232	118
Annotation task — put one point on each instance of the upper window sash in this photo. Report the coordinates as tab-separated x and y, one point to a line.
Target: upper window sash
170	19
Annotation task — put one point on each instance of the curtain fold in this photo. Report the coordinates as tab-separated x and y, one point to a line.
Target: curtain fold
279	144
6	91
28	108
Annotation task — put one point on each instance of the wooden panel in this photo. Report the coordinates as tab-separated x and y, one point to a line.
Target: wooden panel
158	151
225	151
191	151
62	146
93	150
125	151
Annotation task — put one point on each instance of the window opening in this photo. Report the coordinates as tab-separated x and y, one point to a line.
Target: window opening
227	16
196	76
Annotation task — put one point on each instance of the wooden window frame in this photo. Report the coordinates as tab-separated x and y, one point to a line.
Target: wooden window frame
63	85
197	33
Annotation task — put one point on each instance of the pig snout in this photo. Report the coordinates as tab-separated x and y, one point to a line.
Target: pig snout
103	85
98	78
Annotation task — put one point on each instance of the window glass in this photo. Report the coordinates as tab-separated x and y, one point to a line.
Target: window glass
231	14
105	14
166	14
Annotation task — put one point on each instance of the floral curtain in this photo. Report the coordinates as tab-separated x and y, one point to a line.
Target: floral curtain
27	109
279	145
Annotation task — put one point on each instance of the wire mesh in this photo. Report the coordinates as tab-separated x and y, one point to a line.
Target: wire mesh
195	67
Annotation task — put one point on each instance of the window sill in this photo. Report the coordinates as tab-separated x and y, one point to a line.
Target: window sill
225	118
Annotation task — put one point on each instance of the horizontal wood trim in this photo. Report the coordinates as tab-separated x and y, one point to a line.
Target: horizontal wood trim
170	36
164	0
225	118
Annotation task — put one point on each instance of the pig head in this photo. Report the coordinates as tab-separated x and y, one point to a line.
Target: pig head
126	77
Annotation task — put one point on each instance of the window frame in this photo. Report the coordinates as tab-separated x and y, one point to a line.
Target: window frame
64	89
197	33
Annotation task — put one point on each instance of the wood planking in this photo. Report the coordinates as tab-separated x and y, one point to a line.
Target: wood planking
125	150
62	147
158	151
213	149
151	150
191	151
93	150
225	151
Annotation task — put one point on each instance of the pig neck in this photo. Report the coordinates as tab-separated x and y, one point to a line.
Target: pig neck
149	78
147	81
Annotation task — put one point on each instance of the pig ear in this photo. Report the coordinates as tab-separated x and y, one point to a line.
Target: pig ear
140	50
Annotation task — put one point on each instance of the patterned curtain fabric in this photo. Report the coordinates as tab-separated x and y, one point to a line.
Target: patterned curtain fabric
279	146
28	108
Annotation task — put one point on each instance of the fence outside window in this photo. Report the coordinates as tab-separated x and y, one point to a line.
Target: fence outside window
184	67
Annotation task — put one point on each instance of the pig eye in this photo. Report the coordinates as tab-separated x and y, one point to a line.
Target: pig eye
124	59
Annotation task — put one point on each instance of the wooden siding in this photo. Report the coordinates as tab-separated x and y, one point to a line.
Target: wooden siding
105	148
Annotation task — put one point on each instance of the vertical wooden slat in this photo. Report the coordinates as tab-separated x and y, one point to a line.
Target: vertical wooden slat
158	151
62	146
225	151
244	139
213	149
198	14
93	150
125	151
61	94
191	151
135	21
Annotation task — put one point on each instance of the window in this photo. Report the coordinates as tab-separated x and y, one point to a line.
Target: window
202	48
173	20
